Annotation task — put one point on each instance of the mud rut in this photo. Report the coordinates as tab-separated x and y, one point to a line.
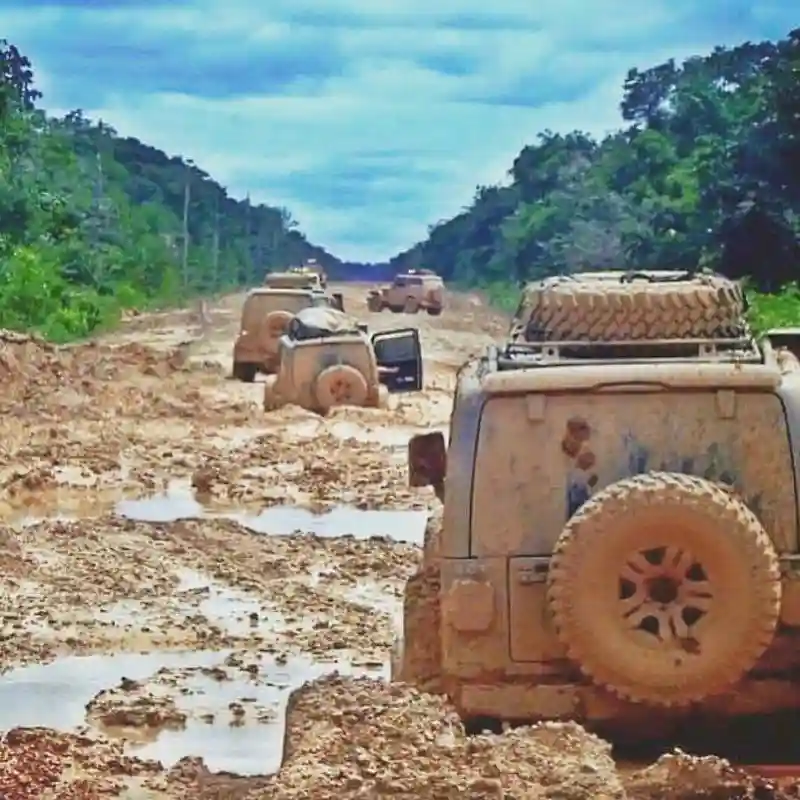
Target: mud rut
176	562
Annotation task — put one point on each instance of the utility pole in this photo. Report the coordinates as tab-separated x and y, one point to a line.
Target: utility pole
250	269
186	197
216	248
100	176
98	223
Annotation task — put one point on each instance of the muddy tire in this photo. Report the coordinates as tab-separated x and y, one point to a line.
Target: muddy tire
244	372
340	385
411	306
374	303
665	589
596	310
418	660
435	311
276	323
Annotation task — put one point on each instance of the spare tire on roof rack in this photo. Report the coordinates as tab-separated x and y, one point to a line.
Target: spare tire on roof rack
619	306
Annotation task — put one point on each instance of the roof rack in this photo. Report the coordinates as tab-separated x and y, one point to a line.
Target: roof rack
523	355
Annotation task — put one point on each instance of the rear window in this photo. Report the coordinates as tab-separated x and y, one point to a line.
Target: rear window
259	305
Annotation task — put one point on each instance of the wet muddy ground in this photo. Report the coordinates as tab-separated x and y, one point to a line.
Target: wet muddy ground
176	563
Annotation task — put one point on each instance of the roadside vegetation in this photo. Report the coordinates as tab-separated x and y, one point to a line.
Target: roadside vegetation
92	222
706	174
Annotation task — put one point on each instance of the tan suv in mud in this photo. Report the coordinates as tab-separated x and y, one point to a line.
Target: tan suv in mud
266	313
327	359
293	279
311	267
410	292
620	536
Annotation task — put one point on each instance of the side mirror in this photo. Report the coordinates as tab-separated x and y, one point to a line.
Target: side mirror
427	461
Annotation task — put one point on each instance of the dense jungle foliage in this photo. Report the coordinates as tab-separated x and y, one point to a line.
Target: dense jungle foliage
91	222
707	173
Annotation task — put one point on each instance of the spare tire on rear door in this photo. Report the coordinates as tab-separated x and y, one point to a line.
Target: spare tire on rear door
276	323
664	588
340	385
602	307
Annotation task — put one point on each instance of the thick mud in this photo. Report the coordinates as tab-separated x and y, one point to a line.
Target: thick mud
183	573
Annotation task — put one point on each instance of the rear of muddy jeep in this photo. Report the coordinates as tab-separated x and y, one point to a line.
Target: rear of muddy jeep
266	316
433	295
328	359
619	539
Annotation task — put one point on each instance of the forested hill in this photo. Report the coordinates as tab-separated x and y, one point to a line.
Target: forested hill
706	172
91	222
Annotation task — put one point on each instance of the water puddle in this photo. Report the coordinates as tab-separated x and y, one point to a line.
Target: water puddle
231	610
234	706
384	599
177	502
180	503
401	526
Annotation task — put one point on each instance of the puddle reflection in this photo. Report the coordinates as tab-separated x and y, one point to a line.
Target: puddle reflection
179	503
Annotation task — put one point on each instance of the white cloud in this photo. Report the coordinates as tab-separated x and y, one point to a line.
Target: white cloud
410	106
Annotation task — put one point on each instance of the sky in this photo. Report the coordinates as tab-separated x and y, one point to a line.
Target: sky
368	119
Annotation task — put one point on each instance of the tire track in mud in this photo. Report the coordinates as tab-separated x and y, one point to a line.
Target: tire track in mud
182	628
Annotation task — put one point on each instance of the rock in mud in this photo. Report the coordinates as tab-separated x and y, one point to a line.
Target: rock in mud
678	776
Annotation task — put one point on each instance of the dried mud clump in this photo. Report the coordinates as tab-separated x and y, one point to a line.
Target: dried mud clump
131	706
39	763
678	776
28	363
13	561
359	738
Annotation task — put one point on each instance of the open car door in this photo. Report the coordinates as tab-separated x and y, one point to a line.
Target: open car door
399	357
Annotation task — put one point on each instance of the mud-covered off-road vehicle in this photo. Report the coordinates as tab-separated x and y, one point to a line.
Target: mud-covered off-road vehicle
619	537
327	359
266	313
293	278
311	267
410	292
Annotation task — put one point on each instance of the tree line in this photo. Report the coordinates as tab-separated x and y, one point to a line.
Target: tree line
705	173
92	222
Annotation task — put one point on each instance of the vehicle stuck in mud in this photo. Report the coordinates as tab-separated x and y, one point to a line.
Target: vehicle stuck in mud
619	539
327	359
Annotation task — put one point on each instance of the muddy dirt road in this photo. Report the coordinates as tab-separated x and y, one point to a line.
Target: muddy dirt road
176	562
